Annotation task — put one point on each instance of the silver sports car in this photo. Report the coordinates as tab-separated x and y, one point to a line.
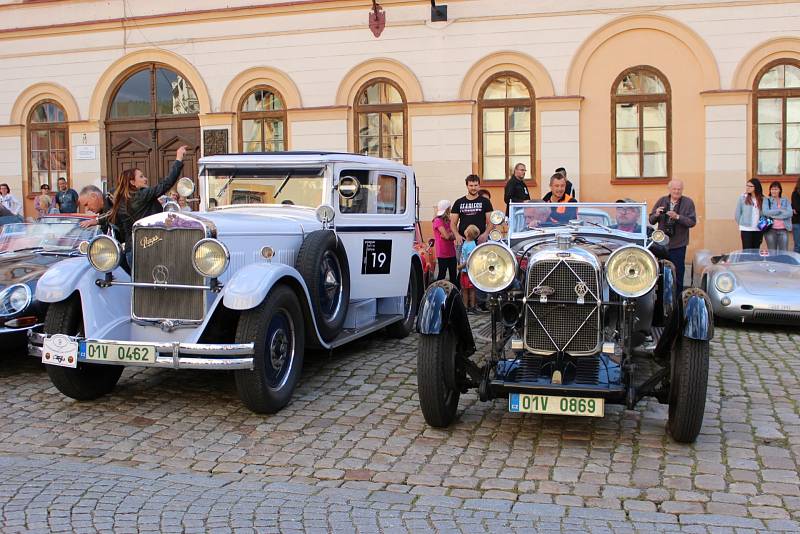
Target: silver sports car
751	285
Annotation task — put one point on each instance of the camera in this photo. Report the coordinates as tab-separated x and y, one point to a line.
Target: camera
667	225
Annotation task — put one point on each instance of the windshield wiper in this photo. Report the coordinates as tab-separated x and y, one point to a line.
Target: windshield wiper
283	184
225	187
26	249
598	225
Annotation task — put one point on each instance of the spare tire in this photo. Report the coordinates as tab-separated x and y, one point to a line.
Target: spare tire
322	262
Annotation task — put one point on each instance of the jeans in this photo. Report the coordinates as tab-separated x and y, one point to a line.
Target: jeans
448	266
678	257
777	239
796	233
751	240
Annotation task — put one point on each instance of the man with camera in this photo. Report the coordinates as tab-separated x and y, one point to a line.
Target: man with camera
675	214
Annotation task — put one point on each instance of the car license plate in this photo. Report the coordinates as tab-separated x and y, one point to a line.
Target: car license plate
112	352
551	404
60	350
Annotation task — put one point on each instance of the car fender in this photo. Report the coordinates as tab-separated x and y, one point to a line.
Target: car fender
248	288
442	309
698	315
668	294
103	309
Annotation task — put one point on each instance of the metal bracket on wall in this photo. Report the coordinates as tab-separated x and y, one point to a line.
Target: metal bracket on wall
438	13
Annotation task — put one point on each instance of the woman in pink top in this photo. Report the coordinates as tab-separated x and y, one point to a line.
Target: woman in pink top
445	242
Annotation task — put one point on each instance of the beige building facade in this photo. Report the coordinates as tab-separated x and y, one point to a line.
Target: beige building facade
625	95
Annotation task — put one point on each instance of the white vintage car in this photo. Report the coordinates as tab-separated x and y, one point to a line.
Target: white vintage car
288	251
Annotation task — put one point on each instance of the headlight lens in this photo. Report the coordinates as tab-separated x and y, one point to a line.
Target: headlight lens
104	253
14	299
631	271
724	283
495	235
491	267
497	217
210	258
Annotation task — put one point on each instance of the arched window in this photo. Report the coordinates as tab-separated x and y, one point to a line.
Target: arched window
48	150
154	91
262	121
640	124
505	126
380	109
776	120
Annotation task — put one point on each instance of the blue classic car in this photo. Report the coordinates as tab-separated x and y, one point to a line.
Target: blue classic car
27	250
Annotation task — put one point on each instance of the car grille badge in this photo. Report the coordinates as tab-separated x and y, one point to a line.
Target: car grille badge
581	289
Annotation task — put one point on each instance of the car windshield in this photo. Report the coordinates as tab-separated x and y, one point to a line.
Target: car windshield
56	236
264	185
531	218
754	255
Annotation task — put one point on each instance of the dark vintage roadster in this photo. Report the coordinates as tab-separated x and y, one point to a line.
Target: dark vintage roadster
583	314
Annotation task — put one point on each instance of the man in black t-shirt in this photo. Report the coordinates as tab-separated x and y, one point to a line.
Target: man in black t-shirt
471	209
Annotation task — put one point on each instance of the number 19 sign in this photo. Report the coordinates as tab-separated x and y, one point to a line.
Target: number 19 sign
377	256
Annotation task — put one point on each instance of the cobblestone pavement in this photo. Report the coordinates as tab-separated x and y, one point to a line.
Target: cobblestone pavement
175	451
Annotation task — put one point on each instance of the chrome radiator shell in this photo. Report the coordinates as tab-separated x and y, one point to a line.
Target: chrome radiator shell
563	302
162	254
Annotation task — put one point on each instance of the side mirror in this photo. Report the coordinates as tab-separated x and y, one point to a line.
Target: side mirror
349	187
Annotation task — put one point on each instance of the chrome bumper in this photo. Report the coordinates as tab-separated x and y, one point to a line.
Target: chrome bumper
8	330
175	355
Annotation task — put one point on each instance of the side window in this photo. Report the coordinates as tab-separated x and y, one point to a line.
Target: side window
379	193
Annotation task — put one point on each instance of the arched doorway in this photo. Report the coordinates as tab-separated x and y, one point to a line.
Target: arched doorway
153	110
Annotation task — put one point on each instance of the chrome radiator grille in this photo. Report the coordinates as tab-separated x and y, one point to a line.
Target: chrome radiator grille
562	322
165	256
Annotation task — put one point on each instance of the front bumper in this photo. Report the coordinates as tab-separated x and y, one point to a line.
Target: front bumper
8	330
174	355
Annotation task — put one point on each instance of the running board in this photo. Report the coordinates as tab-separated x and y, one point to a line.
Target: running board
350	334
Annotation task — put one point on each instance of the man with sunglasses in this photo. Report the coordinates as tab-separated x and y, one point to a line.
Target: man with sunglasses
628	218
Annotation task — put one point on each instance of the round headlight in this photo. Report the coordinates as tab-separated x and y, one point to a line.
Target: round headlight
104	253
185	187
495	235
631	271
14	299
210	258
497	217
491	267
724	283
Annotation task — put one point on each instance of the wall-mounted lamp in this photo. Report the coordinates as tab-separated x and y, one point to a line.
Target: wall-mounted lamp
438	13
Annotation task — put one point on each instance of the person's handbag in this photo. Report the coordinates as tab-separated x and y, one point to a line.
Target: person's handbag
764	223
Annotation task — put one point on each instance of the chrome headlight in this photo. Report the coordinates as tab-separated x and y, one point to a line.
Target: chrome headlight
491	267
724	282
104	253
14	299
497	217
210	258
495	235
631	271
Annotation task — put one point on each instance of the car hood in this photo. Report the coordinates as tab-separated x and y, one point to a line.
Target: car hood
276	220
24	267
767	278
600	247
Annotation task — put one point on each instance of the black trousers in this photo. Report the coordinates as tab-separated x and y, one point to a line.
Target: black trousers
448	266
751	239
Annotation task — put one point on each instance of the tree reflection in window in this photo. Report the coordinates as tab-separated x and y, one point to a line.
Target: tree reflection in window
776	121
154	90
380	121
640	121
